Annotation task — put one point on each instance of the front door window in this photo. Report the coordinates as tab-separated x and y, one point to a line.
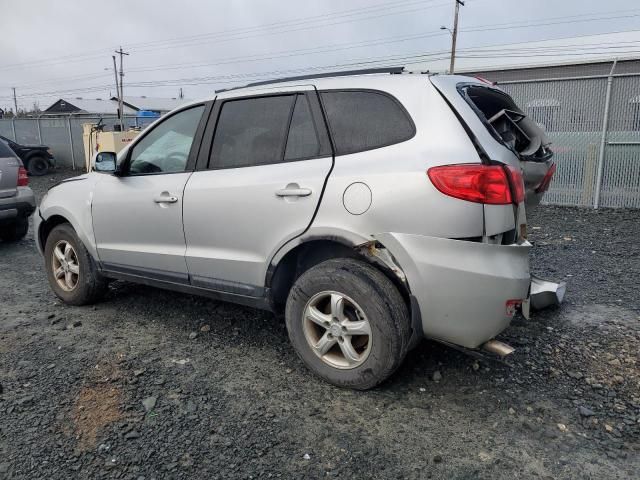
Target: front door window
165	149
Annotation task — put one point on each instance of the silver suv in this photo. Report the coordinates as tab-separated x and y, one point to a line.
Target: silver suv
17	201
372	210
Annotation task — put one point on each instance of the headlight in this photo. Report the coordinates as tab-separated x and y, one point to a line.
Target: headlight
50	152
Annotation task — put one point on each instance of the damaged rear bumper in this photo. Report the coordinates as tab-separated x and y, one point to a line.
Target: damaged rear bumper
463	288
543	294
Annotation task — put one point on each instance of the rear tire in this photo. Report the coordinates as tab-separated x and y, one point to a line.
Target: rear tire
367	339
15	231
37	166
71	271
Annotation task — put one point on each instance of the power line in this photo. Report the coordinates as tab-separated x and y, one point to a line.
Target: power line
491	27
98	53
485	48
291	53
297	29
288	23
94	54
331	48
499	26
345	46
572	19
313	50
67	79
409	57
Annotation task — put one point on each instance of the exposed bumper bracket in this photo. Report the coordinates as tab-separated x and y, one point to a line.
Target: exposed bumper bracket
545	293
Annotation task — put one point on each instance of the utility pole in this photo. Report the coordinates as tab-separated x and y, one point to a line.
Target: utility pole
181	94
15	102
121	97
115	73
454	36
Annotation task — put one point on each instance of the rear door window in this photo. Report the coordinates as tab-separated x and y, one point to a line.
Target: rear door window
362	120
252	131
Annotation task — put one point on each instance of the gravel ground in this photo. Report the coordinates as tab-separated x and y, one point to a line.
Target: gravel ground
153	384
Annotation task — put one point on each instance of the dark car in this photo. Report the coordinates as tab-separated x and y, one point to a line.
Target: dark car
37	159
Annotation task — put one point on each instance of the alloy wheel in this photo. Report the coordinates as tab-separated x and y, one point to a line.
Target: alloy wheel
64	262
337	330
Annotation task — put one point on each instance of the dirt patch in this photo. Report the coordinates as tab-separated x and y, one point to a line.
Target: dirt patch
97	406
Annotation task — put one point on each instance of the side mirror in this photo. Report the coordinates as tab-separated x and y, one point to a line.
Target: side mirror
105	162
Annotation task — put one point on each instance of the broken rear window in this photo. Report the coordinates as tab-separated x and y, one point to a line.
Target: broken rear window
507	122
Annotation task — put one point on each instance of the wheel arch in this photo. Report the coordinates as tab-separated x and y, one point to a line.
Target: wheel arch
35	154
57	215
287	266
46	226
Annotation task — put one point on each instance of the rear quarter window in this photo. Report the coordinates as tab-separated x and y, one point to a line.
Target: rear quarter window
362	120
5	150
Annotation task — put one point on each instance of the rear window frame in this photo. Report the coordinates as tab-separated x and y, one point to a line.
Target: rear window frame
397	102
462	90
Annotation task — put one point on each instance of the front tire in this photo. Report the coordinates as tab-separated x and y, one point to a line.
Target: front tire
38	166
71	271
348	323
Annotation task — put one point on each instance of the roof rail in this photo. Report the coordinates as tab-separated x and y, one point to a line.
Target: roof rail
343	73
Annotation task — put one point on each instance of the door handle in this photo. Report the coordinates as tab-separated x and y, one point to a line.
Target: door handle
293	192
165	199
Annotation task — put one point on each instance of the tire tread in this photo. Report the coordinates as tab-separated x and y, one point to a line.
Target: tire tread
93	284
380	287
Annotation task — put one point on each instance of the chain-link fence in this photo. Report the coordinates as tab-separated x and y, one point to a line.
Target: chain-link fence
63	135
594	124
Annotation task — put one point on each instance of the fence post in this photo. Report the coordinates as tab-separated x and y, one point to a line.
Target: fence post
13	129
603	139
73	157
39	131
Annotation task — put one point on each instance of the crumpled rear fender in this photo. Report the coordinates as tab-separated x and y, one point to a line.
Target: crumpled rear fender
462	287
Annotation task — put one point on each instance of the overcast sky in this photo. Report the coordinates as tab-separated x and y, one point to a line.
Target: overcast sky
50	50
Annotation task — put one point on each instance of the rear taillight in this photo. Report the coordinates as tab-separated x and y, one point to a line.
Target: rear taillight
490	184
517	184
23	179
546	181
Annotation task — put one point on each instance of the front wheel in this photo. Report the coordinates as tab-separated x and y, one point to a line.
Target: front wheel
38	166
71	271
348	323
